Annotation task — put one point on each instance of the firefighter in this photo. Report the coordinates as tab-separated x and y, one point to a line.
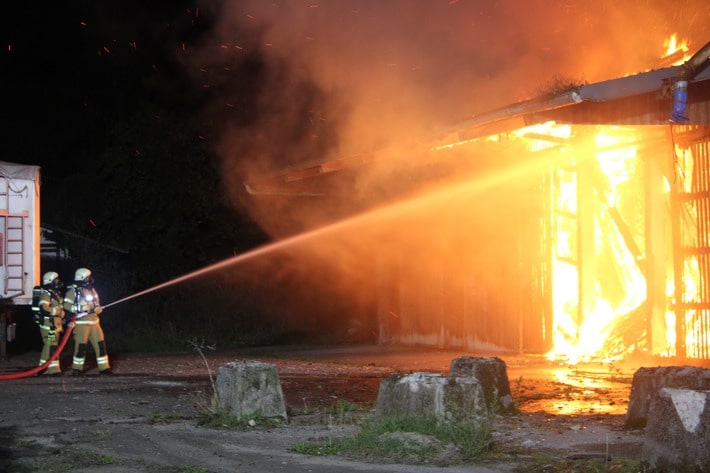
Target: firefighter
82	300
51	317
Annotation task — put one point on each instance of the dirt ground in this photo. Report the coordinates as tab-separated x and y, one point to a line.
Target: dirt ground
147	416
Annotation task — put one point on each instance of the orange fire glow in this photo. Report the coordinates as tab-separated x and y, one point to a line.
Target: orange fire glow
581	328
673	46
694	325
599	285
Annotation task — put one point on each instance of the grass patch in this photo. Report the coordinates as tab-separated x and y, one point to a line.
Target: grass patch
342	412
68	460
549	464
409	439
328	447
221	421
39	459
161	418
346	412
343	407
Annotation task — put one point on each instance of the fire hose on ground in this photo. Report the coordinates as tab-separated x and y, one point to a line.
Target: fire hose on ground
43	366
68	331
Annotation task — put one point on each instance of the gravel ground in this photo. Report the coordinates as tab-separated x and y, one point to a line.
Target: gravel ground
146	418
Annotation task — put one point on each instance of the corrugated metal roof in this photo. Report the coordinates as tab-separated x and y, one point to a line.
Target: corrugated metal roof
641	99
650	108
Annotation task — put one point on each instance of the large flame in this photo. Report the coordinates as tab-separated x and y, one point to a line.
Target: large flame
581	332
585	326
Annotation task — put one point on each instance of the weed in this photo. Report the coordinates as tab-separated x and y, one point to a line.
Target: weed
222	421
208	406
27	467
160	418
101	434
346	412
409	439
88	458
306	410
24	443
200	347
194	469
72	459
328	448
343	406
550	464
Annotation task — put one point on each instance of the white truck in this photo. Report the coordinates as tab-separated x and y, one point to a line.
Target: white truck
19	243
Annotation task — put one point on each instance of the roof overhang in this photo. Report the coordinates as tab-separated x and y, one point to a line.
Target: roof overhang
289	181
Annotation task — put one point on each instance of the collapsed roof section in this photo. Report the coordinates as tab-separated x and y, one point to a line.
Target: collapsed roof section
646	98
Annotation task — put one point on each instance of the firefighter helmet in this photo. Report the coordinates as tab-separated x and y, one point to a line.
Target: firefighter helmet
82	275
49	277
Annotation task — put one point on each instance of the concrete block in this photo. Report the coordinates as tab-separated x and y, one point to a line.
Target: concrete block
677	435
247	389
492	374
448	398
647	381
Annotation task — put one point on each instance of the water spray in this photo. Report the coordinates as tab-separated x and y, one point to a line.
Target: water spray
369	217
381	214
222	264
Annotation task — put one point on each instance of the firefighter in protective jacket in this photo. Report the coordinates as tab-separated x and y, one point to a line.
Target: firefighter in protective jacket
51	314
83	301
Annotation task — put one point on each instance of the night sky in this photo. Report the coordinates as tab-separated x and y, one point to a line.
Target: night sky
70	70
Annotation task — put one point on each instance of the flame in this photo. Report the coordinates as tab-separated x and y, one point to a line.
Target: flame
581	333
694	326
676	50
672	46
588	325
599	317
674	53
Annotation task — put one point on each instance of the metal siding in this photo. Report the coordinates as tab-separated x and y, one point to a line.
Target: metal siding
697	311
490	286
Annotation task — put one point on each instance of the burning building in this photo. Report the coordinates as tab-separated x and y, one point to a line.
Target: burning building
575	224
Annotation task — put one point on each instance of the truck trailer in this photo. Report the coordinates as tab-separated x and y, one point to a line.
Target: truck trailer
19	244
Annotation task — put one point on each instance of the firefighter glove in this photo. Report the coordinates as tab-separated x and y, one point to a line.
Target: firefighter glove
98	310
86	307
